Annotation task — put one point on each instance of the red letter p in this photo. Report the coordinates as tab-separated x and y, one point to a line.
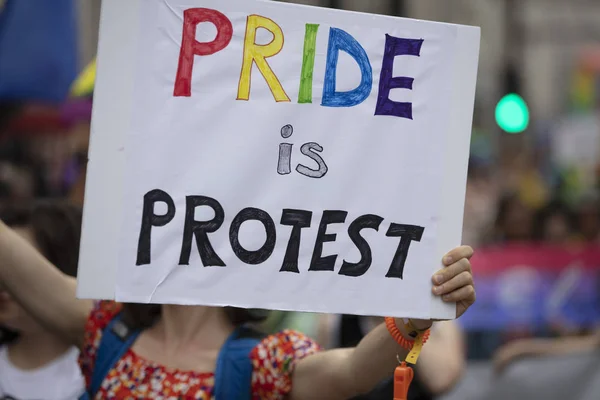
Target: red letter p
191	47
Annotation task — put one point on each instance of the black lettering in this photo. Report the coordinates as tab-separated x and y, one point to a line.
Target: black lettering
199	230
318	263
298	219
149	219
261	255
360	268
406	233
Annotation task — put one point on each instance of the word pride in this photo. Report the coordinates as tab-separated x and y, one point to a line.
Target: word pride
257	54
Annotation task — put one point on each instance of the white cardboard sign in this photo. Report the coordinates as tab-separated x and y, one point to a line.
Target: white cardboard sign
267	155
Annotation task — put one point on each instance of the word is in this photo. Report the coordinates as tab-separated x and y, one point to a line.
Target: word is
284	163
257	54
297	219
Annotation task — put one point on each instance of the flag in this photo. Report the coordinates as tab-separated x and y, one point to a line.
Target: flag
38	49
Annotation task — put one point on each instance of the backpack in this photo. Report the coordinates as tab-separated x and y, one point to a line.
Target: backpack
233	373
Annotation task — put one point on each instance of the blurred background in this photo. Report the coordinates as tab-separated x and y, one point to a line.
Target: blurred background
533	195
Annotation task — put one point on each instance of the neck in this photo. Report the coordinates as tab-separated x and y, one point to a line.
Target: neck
204	328
35	350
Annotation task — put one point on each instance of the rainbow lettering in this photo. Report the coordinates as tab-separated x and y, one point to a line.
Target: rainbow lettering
255	54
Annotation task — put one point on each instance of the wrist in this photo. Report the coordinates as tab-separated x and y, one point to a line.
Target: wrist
421	324
418	324
411	328
407	336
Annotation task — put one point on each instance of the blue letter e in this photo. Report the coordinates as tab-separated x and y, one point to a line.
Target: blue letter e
341	40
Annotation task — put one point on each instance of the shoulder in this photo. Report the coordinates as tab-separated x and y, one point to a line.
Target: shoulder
103	312
66	375
101	315
99	318
274	359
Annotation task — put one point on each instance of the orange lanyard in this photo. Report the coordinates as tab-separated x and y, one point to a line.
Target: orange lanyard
403	375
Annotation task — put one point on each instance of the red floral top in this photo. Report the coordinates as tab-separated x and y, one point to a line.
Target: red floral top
134	377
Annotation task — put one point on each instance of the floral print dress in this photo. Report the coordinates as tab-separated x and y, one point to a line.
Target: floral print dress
134	377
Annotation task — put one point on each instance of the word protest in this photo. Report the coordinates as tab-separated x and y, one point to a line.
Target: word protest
261	154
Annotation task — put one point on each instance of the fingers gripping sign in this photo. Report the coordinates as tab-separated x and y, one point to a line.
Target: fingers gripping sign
454	283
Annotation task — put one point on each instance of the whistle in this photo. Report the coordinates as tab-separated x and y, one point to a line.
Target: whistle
403	376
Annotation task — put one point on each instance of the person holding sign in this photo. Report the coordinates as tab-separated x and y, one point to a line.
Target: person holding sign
224	168
176	353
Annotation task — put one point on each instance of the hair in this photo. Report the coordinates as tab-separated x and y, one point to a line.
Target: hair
552	209
8	111
56	227
504	207
504	204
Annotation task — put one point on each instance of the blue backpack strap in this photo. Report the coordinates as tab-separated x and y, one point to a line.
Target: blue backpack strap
233	374
116	339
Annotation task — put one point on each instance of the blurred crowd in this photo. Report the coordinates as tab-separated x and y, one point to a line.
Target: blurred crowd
512	205
43	150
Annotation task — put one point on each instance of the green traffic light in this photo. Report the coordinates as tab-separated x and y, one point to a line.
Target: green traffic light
512	113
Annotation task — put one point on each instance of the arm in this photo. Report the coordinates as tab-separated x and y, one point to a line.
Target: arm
544	347
41	289
442	361
343	373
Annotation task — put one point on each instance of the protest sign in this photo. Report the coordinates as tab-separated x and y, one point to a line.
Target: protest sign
268	155
535	286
